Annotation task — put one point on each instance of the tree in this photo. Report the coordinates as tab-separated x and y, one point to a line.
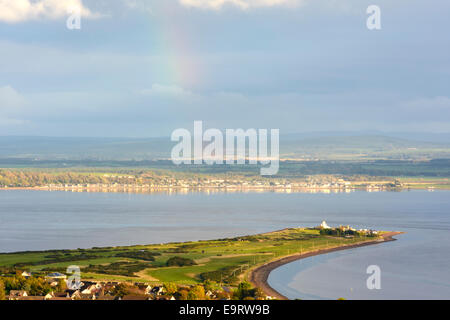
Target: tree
243	291
2	291
244	286
197	293
62	286
222	295
170	288
209	285
120	290
183	294
180	262
259	294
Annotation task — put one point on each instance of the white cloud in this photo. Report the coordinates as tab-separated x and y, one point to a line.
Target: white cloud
242	4
140	5
12	122
163	90
13	11
427	104
10	98
11	103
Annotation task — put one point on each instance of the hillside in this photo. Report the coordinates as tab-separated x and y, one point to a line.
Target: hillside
324	148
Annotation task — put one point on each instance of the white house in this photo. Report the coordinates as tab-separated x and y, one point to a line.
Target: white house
16	294
56	276
26	274
324	225
158	291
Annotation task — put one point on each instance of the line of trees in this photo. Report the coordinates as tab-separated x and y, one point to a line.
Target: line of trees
34	286
23	179
2	291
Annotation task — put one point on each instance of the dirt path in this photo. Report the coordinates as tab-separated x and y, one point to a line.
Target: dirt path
258	276
143	275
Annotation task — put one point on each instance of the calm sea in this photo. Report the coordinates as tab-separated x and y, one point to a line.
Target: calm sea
415	266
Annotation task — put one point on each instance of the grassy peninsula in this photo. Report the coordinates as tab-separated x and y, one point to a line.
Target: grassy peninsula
222	262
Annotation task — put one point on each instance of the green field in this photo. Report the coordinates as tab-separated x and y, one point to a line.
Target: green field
425	183
223	261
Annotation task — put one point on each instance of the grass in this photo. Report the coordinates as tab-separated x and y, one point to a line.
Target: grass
224	260
81	263
441	183
190	274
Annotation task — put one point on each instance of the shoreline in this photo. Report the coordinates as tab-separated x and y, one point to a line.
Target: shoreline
260	275
177	189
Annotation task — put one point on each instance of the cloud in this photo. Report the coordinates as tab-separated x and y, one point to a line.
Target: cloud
7	122
163	90
158	110
25	10
439	103
11	103
10	98
242	4
141	5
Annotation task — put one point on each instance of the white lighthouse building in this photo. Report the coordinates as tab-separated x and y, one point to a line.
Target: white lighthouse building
324	225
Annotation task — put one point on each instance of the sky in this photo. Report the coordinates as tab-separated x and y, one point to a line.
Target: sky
143	68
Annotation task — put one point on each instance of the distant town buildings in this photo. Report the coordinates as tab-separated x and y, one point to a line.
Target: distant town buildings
150	182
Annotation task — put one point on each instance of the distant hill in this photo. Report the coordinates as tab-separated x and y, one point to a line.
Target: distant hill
362	147
292	146
84	148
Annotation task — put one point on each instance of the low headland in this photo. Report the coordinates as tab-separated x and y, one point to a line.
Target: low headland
232	268
259	275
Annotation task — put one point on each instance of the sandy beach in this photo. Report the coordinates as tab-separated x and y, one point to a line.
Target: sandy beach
258	276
